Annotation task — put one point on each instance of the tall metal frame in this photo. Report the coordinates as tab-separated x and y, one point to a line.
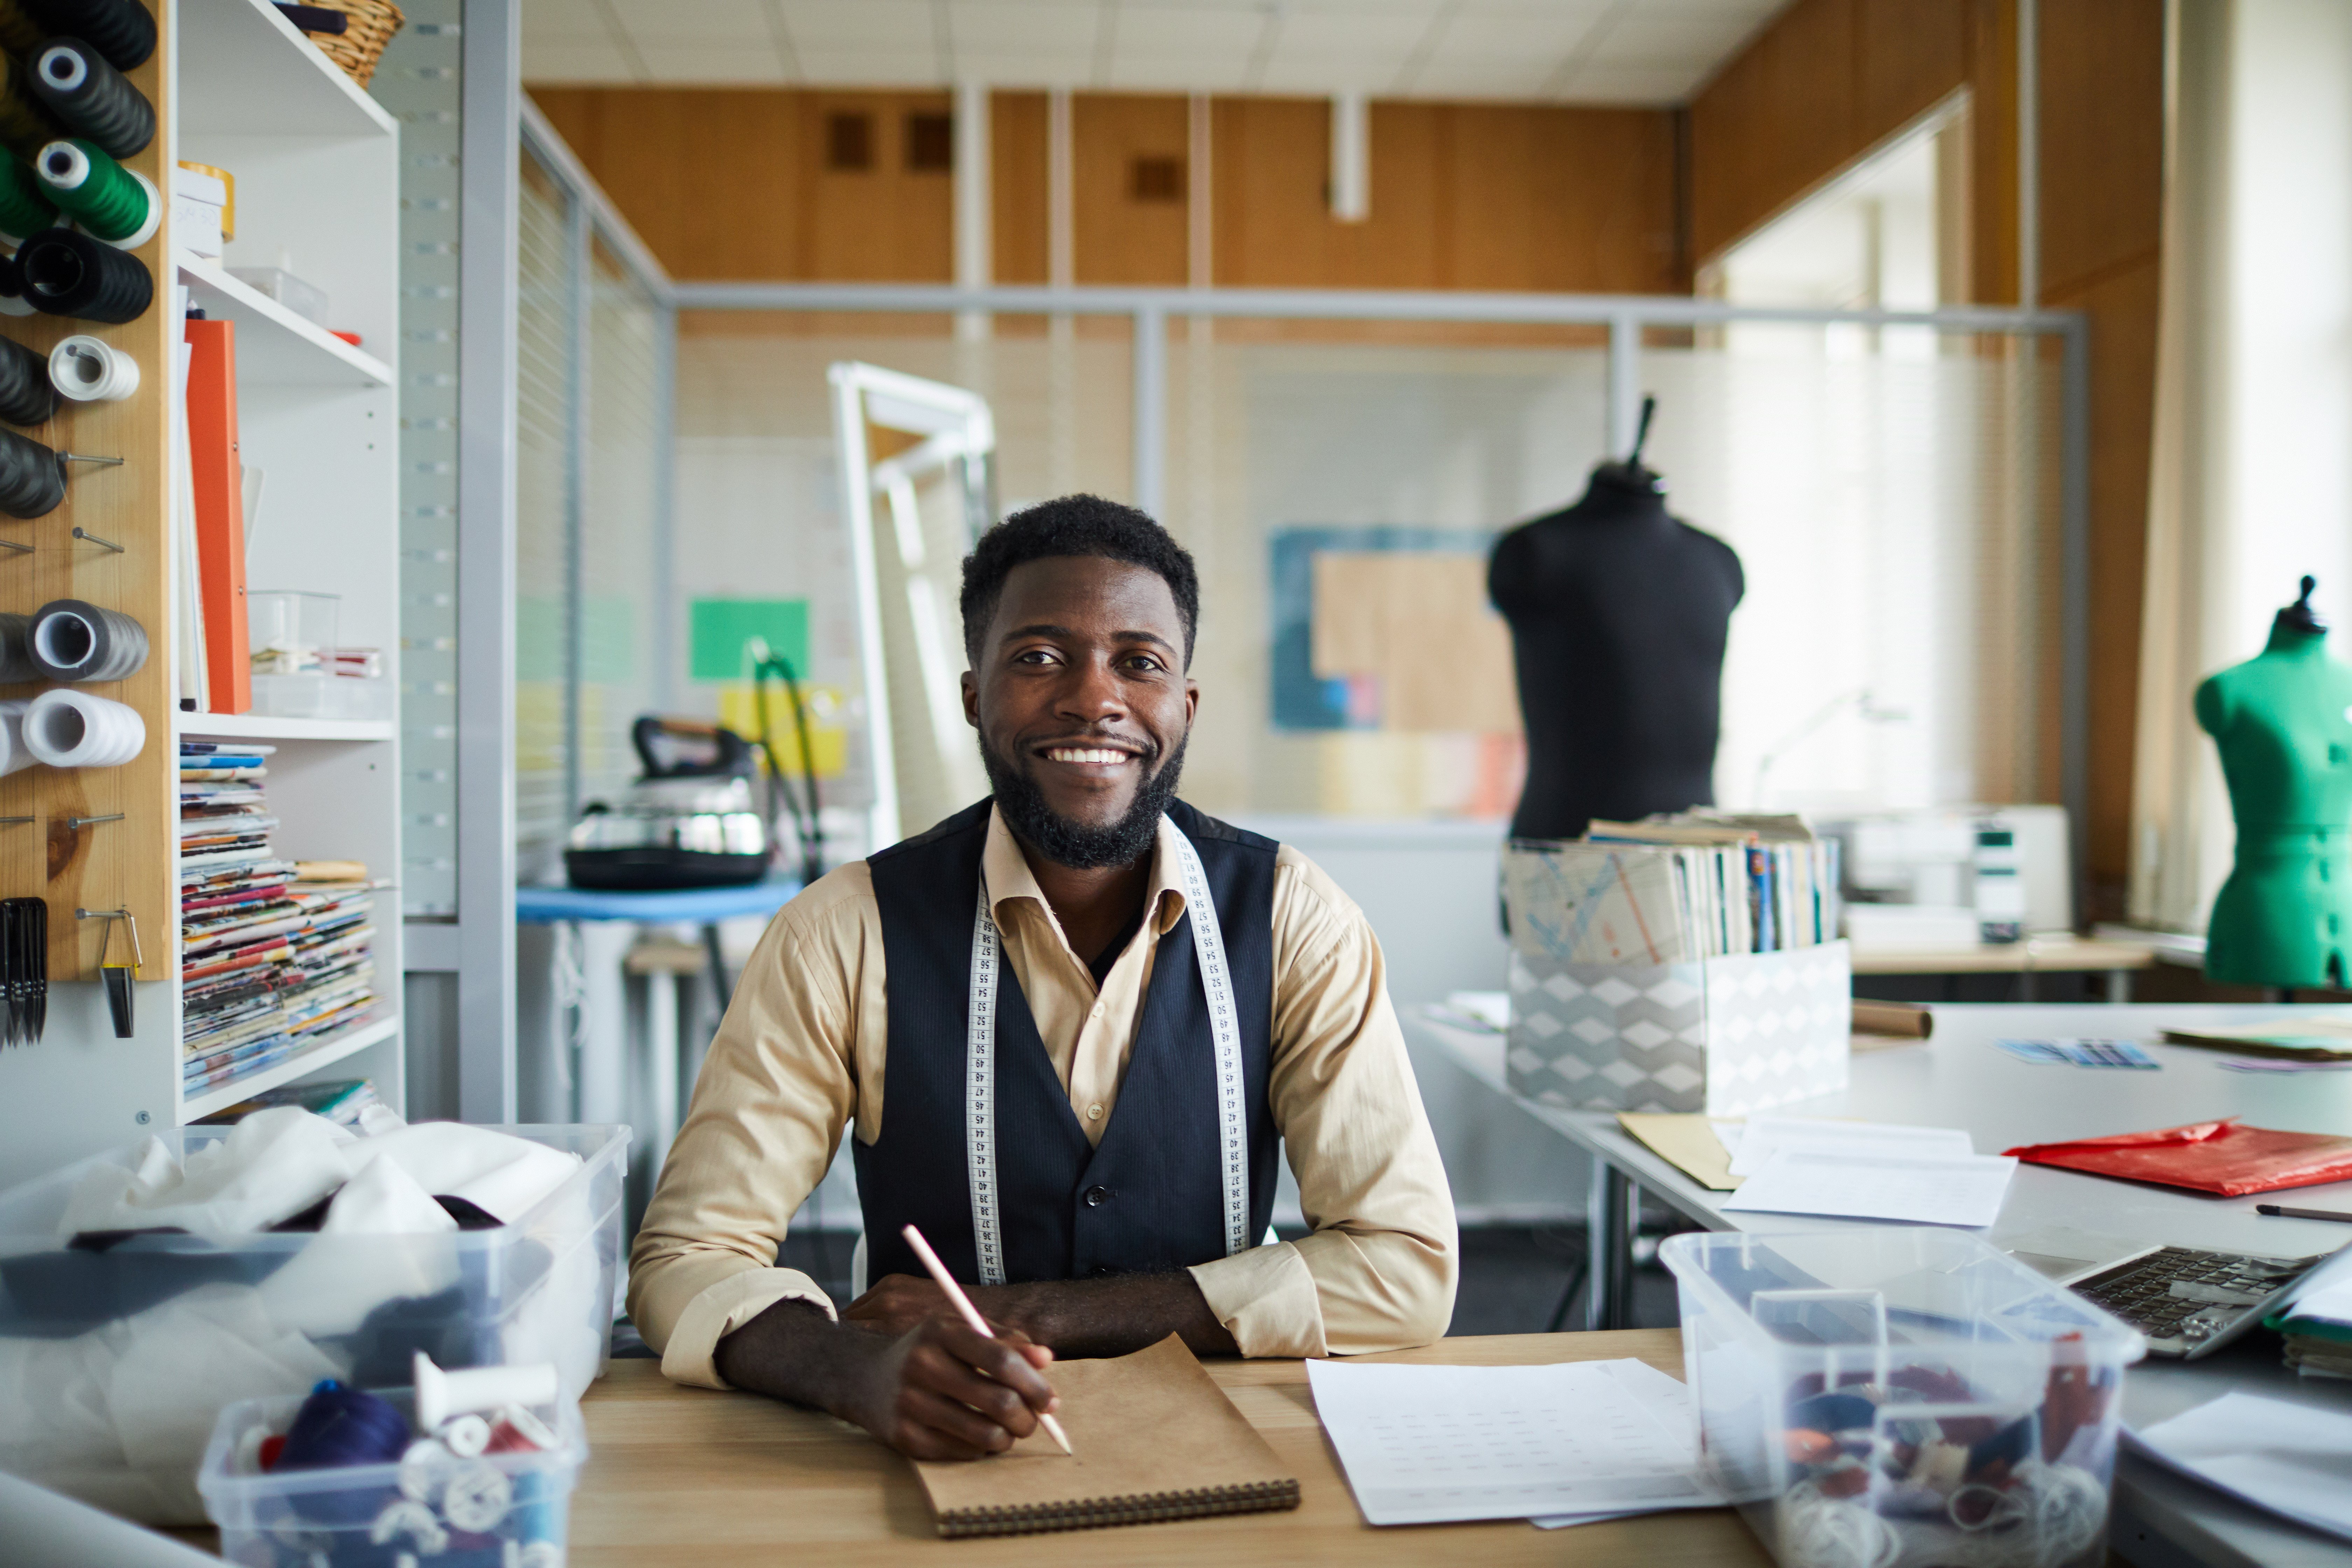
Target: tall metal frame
1624	316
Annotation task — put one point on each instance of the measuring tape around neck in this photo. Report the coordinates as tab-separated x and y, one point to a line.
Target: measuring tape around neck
980	1065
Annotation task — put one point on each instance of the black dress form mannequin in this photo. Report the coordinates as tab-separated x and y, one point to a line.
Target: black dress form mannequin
1618	617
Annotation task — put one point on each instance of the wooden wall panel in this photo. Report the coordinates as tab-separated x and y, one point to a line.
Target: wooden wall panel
1117	235
2102	139
727	184
1824	82
1463	196
1017	186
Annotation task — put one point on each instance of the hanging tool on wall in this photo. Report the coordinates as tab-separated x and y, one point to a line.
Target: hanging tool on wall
23	970
119	973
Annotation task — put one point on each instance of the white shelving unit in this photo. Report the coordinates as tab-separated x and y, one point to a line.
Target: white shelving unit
317	166
317	181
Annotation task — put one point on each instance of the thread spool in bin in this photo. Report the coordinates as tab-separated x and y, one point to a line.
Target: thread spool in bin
71	639
70	729
68	274
91	370
92	98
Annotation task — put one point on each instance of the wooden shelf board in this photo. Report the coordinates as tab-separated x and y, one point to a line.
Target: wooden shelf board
274	347
269	727
333	1048
244	70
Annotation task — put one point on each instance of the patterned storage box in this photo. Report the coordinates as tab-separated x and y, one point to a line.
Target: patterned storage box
1725	1035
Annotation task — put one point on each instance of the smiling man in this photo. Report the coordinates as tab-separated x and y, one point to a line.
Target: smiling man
1071	1026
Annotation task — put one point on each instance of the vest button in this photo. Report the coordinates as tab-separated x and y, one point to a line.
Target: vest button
1102	1271
1098	1196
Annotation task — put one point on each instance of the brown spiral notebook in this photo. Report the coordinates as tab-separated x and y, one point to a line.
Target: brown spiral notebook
1155	1438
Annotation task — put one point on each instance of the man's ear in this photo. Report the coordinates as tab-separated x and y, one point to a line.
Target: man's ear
971	684
1191	701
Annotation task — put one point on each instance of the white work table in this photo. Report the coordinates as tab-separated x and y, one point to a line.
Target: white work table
1959	1078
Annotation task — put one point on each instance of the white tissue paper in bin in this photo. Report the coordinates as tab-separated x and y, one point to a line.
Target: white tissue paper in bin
379	1242
272	1165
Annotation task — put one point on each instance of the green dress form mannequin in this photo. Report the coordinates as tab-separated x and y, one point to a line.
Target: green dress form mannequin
2283	721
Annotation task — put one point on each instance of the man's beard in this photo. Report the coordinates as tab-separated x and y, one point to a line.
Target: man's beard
1071	844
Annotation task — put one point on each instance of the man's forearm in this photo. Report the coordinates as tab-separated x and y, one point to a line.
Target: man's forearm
1109	1317
793	1350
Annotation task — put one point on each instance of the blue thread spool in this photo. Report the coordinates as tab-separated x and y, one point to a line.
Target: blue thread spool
340	1426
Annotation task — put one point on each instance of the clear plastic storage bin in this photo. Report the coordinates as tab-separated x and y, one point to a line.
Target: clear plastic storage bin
121	1349
500	1511
1901	1397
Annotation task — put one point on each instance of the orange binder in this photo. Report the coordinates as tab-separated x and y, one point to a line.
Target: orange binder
218	475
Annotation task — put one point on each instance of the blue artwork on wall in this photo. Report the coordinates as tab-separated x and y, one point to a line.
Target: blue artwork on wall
1301	700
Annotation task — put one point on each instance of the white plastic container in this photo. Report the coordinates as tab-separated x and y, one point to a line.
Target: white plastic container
499	1509
119	1359
1877	1396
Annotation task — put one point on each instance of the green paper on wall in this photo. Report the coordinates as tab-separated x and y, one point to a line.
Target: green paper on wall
719	628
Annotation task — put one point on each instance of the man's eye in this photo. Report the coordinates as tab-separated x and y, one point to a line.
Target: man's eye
1145	663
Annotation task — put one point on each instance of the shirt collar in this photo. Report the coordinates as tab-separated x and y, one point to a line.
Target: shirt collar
1010	880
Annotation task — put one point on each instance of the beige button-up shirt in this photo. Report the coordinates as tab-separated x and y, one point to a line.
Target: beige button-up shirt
800	1053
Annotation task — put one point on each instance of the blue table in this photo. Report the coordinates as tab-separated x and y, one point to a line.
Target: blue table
602	1084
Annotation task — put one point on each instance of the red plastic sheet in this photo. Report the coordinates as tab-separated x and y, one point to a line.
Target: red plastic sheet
2225	1157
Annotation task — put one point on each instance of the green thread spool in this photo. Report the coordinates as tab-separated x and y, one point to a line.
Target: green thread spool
115	204
25	207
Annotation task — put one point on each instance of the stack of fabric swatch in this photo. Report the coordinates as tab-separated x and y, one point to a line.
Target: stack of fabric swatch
271	963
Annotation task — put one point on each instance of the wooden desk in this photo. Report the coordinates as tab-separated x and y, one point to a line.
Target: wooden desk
691	1478
2040	955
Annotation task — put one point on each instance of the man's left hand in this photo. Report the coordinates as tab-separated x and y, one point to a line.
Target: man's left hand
1104	1316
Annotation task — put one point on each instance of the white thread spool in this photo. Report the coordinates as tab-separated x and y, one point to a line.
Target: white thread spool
70	729
465	1435
14	757
91	370
441	1395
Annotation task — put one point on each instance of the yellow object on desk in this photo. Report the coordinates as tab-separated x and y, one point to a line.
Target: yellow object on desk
685	1478
1688	1144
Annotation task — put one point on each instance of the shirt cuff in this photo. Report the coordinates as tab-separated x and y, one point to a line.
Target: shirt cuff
691	1356
1267	1300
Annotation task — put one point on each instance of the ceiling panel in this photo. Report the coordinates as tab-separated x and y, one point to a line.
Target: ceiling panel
1590	51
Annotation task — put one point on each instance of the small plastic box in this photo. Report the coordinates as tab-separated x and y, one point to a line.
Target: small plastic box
500	1511
305	299
291	630
540	1288
1881	1394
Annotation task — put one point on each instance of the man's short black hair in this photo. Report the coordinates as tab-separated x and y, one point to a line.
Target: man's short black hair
1074	525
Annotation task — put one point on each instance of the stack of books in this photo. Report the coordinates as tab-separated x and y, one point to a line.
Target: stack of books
1678	889
271	962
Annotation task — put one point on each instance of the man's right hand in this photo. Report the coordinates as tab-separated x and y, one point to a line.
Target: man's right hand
937	1392
942	1391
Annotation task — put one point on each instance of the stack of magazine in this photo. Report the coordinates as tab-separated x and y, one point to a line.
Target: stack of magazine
1677	888
270	963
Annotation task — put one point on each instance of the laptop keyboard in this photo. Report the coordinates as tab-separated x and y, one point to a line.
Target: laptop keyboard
2180	1298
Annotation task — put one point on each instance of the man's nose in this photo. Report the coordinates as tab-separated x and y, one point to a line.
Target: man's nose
1093	693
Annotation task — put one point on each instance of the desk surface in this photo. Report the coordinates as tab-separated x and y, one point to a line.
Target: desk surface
691	1478
1958	1078
2054	955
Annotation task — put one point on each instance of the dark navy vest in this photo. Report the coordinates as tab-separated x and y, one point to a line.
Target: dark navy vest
1149	1197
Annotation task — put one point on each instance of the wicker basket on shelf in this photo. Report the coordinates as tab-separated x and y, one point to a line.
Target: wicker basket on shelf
358	47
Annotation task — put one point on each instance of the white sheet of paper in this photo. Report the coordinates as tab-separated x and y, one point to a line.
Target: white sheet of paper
1920	1190
2289	1458
1427	1445
1665	1397
1767	1135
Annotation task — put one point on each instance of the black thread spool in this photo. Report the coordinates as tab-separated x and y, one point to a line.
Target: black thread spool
68	274
121	30
93	97
72	639
16	665
27	394
32	477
